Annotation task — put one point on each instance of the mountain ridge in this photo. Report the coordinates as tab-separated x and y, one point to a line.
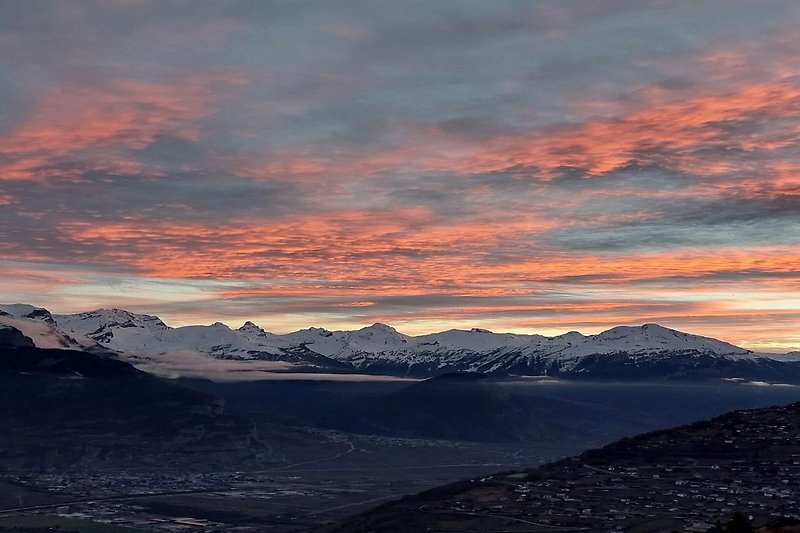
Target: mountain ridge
649	350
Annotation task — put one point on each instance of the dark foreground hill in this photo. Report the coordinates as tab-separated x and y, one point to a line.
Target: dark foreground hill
684	479
68	409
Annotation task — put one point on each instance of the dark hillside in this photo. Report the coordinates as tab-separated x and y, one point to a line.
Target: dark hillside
70	409
671	480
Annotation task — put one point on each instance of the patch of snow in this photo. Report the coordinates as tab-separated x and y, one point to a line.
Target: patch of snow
21	310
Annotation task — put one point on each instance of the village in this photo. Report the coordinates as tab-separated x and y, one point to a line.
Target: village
687	479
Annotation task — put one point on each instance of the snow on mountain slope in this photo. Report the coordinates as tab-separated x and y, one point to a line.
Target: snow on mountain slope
38	324
24	311
221	341
119	329
789	356
353	347
381	344
628	344
136	334
478	349
477	340
458	349
381	348
651	337
191	351
642	341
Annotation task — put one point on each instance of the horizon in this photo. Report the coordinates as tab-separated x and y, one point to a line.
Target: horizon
535	167
549	334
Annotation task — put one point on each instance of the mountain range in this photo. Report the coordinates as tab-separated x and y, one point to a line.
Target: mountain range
649	351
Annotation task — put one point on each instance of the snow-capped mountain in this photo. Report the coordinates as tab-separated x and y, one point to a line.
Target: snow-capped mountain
381	348
39	325
789	356
137	335
634	346
356	348
648	351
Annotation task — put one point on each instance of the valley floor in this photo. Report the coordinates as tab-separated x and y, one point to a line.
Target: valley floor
348	474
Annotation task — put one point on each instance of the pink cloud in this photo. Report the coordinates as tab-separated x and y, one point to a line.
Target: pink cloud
108	120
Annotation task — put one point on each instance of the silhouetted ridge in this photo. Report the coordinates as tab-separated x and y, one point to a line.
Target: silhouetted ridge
29	360
12	337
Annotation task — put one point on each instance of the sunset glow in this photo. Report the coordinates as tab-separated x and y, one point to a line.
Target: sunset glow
431	165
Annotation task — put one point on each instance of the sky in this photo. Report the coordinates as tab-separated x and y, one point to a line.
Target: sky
534	166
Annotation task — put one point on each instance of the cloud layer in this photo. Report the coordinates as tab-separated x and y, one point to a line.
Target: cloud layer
530	166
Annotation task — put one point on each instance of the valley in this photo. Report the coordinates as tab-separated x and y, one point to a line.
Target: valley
90	433
318	473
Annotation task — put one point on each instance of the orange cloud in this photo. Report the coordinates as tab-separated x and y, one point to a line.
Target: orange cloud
675	135
109	118
404	250
335	245
703	135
